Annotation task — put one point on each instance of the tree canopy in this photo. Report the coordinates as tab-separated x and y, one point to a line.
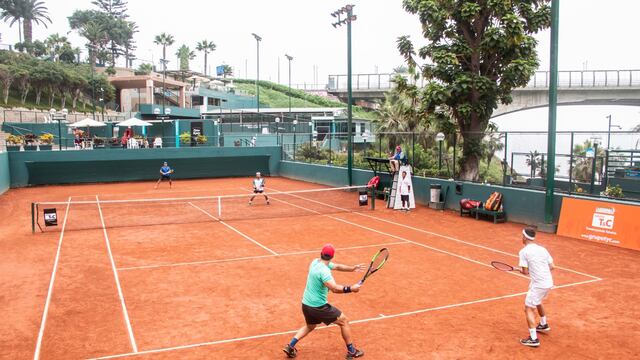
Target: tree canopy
477	52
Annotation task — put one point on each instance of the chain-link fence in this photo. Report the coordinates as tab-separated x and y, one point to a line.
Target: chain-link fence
585	162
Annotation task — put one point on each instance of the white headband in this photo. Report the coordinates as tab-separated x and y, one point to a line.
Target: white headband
527	236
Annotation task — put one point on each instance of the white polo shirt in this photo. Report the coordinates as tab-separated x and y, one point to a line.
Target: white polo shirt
258	184
404	184
537	259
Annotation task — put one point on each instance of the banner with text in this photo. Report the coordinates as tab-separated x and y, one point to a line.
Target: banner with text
601	221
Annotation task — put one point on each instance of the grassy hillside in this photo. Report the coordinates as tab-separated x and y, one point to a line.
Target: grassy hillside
277	96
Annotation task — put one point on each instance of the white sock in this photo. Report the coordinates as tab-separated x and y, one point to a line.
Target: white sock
543	320
533	334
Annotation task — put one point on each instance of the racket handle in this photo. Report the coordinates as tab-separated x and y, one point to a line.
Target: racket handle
361	282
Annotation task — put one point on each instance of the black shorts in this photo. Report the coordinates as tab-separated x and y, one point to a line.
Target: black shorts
256	191
326	313
162	177
404	198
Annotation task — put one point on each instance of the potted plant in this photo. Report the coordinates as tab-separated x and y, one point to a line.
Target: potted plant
30	142
98	142
14	142
185	138
46	141
613	192
201	139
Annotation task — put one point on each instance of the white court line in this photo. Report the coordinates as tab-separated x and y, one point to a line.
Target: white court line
377	318
438	235
399	238
234	229
43	322
115	276
206	262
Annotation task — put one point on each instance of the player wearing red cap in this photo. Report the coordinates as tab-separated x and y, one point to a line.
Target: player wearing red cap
315	307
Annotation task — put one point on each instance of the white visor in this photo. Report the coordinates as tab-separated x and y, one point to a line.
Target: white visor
527	236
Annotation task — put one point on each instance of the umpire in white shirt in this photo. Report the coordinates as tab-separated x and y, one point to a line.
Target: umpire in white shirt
536	262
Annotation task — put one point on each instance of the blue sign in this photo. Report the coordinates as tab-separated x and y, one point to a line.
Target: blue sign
590	153
220	70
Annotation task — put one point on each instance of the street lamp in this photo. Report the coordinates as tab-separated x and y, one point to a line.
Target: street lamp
348	19
277	131
289	58
102	101
440	138
365	137
311	131
258	39
609	131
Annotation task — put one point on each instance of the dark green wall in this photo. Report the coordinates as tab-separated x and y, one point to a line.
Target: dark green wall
522	205
53	167
5	179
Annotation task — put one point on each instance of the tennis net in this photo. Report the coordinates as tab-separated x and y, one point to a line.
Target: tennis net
97	213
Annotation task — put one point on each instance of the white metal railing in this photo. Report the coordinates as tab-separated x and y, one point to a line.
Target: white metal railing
566	79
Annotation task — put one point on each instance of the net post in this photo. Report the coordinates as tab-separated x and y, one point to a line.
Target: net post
33	218
373	198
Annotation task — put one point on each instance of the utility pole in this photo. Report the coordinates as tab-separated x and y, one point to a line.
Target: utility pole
258	39
553	106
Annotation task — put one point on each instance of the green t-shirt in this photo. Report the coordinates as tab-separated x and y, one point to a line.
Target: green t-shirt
315	293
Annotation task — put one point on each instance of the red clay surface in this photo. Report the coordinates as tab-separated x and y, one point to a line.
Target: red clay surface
198	288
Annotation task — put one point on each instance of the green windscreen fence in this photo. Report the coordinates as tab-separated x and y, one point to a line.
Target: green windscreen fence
69	172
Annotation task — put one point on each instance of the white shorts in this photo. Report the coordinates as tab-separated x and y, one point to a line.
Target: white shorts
535	296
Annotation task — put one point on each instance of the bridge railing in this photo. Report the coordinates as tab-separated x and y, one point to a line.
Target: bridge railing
540	80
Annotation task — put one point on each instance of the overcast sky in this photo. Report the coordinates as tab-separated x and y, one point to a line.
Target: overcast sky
594	34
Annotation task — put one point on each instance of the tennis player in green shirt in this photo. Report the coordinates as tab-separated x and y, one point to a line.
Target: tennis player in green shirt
315	307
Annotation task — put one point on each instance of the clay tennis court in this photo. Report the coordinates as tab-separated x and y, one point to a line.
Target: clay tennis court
122	280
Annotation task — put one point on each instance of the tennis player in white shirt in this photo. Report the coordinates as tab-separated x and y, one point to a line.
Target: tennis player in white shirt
405	189
536	262
258	188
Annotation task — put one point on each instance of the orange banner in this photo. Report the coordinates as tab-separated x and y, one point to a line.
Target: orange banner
601	221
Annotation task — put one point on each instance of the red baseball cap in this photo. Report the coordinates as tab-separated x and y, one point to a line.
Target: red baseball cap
328	251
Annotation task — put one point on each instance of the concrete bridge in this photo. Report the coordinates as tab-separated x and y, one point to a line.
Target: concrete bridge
592	87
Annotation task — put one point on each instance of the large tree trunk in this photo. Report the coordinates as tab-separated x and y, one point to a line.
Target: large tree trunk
28	31
471	155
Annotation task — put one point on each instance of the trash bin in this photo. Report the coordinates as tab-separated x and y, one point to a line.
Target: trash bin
435	191
363	197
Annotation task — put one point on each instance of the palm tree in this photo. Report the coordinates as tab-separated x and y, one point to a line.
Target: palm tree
533	161
97	36
185	54
206	47
55	44
165	40
27	11
227	70
582	164
144	69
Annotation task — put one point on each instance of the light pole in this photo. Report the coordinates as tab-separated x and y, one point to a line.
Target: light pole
277	131
348	10
365	136
60	118
311	131
595	141
102	101
258	39
440	138
164	76
295	122
93	81
553	107
289	58
609	131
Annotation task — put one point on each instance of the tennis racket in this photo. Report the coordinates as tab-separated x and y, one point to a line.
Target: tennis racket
377	262
502	266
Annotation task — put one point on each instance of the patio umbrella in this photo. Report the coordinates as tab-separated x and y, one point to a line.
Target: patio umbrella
134	122
88	123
